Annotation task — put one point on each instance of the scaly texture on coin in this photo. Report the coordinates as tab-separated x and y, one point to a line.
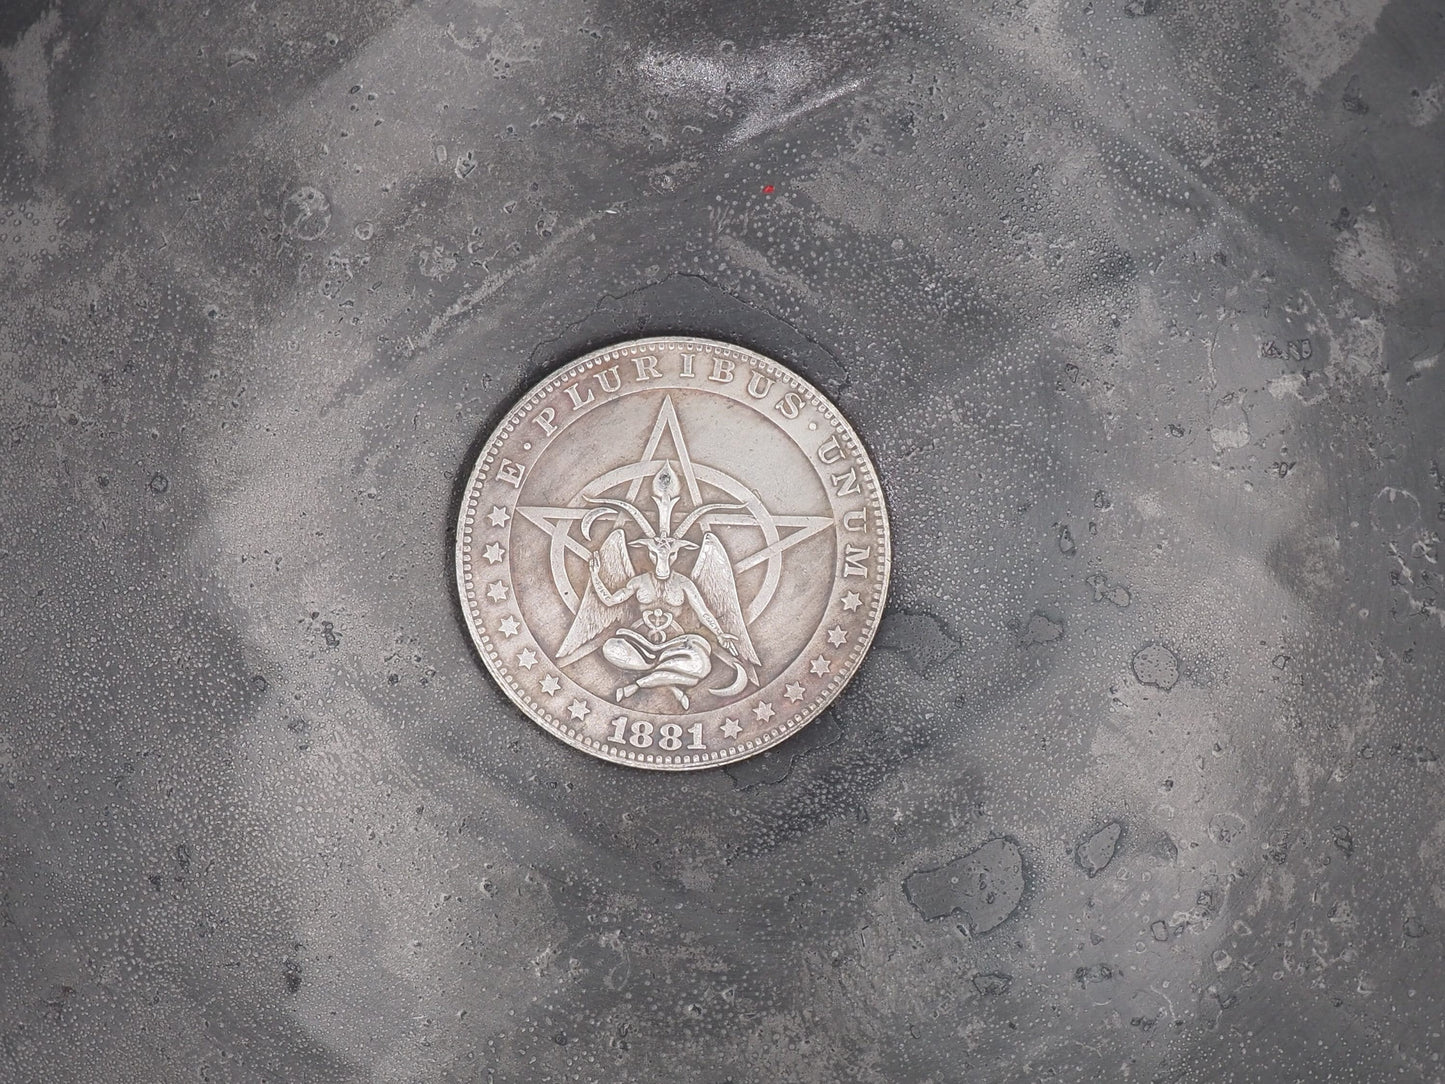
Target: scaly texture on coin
673	553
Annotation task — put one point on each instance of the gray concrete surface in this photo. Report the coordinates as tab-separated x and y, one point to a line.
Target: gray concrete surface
1138	304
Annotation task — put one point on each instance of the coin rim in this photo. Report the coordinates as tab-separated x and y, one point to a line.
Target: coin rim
502	429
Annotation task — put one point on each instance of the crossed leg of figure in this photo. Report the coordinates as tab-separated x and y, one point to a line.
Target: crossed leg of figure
676	665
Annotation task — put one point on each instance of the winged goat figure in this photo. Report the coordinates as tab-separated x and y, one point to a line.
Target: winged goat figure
659	647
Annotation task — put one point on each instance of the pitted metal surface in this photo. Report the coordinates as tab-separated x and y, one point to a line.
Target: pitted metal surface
1136	307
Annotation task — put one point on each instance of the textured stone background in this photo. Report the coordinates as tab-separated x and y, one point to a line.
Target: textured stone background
1138	304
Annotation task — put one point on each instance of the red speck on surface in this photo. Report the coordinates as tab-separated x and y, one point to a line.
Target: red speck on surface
767	190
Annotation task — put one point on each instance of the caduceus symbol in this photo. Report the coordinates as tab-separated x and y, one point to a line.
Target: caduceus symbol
655	647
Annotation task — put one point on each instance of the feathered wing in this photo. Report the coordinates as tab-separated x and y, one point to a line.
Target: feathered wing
595	617
712	572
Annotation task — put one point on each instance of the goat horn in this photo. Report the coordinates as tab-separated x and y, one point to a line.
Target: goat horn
702	510
609	504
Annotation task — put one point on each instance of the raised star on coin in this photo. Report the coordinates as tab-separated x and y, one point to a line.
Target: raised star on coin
851	601
837	637
731	728
551	685
527	659
578	710
794	692
763	712
508	626
820	666
497	592
493	553
498	516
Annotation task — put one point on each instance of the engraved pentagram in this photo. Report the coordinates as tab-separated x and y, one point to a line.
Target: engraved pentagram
672	553
558	523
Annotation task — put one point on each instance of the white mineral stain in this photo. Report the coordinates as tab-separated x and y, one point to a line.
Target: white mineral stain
1362	347
1149	506
1318	37
1288	384
1365	258
779	84
27	69
1424	109
1230	428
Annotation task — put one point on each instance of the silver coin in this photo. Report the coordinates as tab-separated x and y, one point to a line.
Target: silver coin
673	553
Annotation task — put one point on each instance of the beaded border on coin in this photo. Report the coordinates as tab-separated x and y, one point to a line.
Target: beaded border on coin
857	595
